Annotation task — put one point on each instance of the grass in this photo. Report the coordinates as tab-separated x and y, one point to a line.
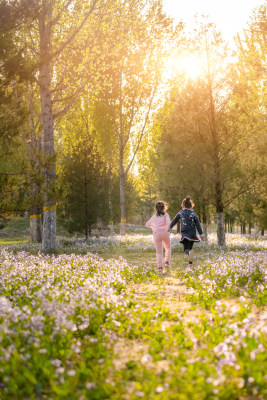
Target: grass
7	241
143	336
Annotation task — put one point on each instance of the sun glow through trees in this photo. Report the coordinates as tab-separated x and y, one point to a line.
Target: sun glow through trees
188	65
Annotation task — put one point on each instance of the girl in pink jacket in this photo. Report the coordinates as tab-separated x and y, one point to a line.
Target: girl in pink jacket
159	224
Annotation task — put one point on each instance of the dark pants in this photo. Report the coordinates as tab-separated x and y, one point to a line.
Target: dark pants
188	245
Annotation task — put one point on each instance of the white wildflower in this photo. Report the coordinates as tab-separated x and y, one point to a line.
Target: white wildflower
146	358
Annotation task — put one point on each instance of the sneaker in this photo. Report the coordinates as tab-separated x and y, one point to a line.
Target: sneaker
160	270
167	264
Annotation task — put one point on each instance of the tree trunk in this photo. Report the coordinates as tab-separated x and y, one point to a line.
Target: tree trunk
205	225
262	231
249	228
122	201
220	229
85	199
47	137
36	225
98	226
216	159
256	227
219	210
111	222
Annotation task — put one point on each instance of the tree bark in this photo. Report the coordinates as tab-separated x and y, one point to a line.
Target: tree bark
122	200
256	227
111	222
220	229
85	200
205	224
36	224
216	159
219	207
47	137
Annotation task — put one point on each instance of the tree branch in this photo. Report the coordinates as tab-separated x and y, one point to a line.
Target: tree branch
70	39
142	131
241	191
114	121
55	20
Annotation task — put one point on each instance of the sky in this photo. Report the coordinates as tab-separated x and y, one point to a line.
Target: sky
230	16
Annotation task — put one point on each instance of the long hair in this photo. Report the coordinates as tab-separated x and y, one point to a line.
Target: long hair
160	207
187	203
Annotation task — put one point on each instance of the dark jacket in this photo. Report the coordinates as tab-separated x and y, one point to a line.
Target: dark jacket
189	223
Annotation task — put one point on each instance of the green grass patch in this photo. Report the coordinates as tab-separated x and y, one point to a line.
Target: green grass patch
11	241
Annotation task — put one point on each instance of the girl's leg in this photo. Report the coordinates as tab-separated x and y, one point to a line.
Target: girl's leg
191	253
187	248
167	244
158	244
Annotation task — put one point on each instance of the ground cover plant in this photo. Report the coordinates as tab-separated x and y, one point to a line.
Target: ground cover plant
139	243
85	326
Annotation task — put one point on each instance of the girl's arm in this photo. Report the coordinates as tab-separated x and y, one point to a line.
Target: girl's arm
167	221
175	220
199	229
148	224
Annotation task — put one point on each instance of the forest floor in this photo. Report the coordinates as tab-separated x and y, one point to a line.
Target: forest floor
96	321
170	292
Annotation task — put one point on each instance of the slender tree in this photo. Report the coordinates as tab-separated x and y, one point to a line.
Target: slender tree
131	83
63	45
66	47
202	137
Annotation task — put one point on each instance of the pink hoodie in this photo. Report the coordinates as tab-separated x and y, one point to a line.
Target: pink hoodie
159	223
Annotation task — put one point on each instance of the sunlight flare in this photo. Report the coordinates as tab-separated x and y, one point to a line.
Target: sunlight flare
191	66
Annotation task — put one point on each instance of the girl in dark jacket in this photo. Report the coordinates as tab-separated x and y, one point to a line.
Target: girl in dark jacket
189	223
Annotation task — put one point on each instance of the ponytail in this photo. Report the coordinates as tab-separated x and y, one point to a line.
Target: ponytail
187	203
160	207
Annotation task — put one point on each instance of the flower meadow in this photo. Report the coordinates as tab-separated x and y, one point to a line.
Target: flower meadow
55	324
142	243
76	326
230	274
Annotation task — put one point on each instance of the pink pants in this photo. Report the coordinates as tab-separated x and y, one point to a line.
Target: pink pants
164	237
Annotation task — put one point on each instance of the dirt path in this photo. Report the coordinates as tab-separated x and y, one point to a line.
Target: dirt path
168	292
